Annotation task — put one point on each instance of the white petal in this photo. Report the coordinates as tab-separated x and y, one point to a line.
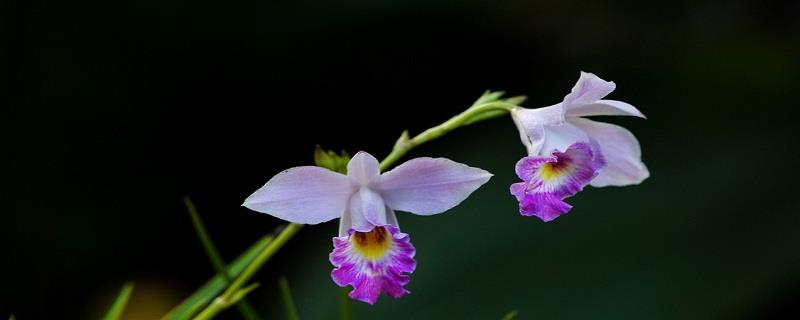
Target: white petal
561	137
427	186
367	210
588	90
345	223
307	195
531	122
391	218
605	108
620	149
363	168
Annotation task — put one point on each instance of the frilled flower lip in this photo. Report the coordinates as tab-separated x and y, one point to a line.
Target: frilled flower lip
556	127
548	180
374	262
365	198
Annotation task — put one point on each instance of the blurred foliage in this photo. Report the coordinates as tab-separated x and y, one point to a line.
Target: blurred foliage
115	310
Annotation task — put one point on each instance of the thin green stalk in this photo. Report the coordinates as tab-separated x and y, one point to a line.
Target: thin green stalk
224	301
115	311
344	305
404	144
244	306
288	302
237	296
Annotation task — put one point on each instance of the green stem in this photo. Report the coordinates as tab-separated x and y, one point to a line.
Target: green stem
225	300
220	304
404	144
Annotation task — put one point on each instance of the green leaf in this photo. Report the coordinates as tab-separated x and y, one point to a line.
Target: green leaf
11	317
330	160
511	315
323	159
245	308
115	311
241	293
222	302
213	287
516	100
288	302
488	96
200	229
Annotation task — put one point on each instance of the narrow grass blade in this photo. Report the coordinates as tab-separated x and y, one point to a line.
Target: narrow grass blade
220	303
217	284
511	315
200	229
244	307
241	293
288	302
115	311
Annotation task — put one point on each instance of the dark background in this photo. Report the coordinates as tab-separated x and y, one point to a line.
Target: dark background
116	110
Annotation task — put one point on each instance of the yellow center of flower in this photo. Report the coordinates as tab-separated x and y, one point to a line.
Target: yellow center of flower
372	245
553	170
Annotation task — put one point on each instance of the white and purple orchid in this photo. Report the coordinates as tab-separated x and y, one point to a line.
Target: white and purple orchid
370	253
567	151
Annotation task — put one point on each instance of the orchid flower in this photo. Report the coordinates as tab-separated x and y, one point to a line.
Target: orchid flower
370	253
567	151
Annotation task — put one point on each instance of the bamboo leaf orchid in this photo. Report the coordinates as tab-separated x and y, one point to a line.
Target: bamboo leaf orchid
370	253
566	151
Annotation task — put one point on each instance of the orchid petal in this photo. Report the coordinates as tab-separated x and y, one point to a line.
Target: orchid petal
427	186
308	195
543	205
527	167
548	180
532	138
518	190
346	223
559	138
531	123
562	174
587	90
605	108
621	151
367	210
551	115
363	168
391	218
373	262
